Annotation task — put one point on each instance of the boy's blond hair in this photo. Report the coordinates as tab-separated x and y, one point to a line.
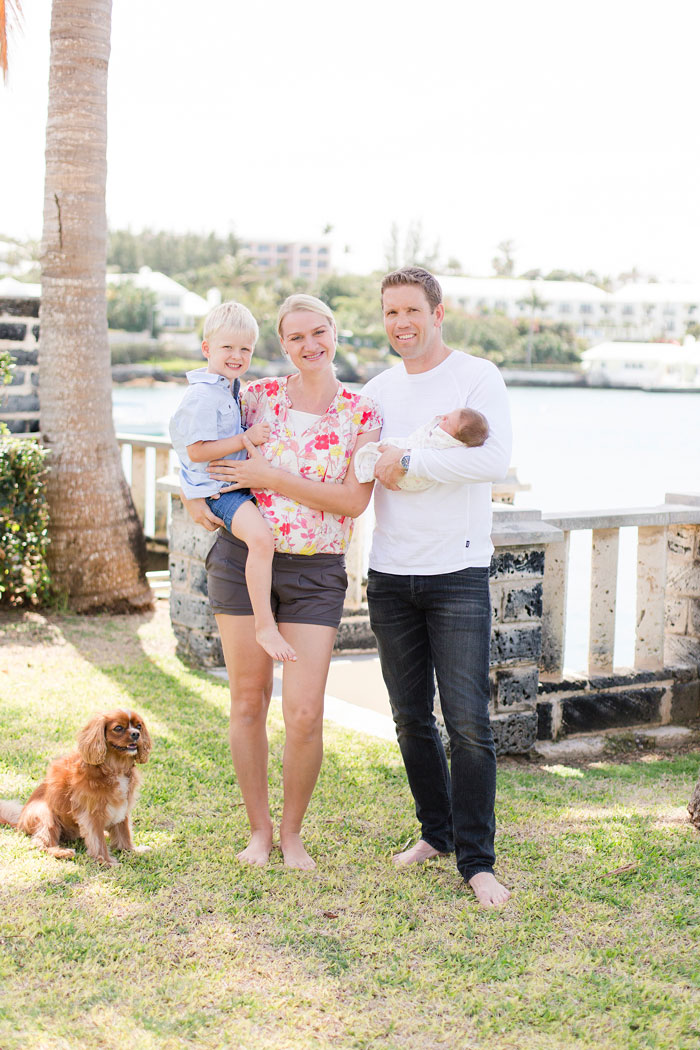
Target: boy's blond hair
231	317
303	302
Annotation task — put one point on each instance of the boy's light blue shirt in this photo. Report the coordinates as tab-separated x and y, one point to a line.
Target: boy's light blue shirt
208	412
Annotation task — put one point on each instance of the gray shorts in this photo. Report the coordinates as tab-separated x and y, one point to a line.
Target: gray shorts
306	588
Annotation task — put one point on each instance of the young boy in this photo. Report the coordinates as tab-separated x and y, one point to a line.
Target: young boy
207	426
462	426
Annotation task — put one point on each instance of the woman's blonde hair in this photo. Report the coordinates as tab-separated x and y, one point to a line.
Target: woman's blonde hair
303	302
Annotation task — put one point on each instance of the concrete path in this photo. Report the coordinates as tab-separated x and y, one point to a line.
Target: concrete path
355	695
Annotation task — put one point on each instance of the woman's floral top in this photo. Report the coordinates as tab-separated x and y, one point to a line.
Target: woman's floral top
322	453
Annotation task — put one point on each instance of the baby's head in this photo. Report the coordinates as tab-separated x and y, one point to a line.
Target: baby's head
467	425
229	337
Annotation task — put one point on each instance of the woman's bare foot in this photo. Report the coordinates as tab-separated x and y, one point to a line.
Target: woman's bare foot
270	639
295	856
488	890
417	854
257	852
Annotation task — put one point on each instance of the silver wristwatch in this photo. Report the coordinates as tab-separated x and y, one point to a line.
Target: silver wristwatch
404	462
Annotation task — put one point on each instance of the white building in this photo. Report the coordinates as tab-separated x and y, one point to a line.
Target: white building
10	288
634	312
176	307
646	366
650	311
298	258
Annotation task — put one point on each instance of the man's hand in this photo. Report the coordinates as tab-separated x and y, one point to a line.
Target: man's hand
388	470
200	513
258	434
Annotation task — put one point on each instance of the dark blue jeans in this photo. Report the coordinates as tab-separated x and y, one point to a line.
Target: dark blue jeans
430	627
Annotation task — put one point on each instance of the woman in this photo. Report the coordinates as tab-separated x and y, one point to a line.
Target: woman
307	491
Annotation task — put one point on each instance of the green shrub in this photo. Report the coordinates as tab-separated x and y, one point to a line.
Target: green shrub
24	520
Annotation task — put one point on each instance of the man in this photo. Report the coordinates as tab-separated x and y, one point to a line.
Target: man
428	588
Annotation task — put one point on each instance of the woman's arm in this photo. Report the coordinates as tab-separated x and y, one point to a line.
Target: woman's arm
348	499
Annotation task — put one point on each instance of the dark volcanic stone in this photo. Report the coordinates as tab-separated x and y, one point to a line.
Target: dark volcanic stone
511	563
593	711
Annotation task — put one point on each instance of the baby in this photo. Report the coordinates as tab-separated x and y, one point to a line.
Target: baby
462	426
207	426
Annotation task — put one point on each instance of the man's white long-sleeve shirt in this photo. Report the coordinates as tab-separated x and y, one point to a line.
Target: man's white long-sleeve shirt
447	526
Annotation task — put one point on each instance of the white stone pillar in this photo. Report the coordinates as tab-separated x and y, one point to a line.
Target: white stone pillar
601	640
651	590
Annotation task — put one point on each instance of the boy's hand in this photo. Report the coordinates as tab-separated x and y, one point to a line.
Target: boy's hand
258	434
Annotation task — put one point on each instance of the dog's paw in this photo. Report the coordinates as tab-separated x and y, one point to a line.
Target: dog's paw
143	849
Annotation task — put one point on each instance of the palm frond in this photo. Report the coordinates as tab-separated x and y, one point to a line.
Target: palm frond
10	18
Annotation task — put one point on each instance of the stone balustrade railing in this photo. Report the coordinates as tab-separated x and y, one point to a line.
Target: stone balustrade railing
145	460
666	538
531	695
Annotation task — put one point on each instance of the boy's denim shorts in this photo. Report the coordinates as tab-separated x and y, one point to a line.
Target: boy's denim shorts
228	503
306	588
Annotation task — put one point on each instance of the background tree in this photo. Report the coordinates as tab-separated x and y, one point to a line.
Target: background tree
504	263
411	248
535	305
131	309
97	546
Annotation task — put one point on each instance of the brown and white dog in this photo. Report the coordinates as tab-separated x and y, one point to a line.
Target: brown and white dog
88	792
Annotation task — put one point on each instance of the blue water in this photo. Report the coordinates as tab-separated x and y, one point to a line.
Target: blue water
578	449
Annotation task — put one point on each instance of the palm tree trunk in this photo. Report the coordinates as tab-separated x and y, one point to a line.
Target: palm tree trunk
97	551
694	806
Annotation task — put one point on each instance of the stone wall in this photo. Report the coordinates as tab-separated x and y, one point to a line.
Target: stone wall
525	704
19	333
194	626
516	645
516	594
682	614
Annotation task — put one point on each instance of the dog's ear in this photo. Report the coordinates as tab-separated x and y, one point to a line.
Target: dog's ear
91	741
143	747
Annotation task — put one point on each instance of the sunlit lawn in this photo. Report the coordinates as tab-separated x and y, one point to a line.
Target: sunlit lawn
184	947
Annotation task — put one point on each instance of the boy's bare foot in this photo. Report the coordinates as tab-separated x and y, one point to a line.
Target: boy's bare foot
257	852
295	856
270	639
417	854
488	890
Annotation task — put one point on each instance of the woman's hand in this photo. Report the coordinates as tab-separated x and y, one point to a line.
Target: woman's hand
388	470
200	513
252	473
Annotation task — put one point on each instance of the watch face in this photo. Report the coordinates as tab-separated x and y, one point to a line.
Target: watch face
405	460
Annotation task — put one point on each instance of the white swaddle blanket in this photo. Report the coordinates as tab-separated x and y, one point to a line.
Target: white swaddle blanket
430	435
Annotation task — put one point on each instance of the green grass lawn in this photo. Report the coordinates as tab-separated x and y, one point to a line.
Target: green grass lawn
184	947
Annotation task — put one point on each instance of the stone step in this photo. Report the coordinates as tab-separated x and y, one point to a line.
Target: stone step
589	746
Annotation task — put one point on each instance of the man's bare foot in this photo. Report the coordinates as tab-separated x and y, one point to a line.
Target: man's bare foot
488	890
270	639
417	854
295	856
257	852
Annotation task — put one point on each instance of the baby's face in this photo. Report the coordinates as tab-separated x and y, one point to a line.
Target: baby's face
450	422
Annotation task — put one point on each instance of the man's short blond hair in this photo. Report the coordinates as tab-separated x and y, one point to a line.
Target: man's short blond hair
231	317
418	276
303	302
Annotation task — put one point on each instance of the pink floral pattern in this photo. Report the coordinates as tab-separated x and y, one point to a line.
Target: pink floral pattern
322	453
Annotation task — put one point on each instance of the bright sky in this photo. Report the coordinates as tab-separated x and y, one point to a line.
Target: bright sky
570	128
